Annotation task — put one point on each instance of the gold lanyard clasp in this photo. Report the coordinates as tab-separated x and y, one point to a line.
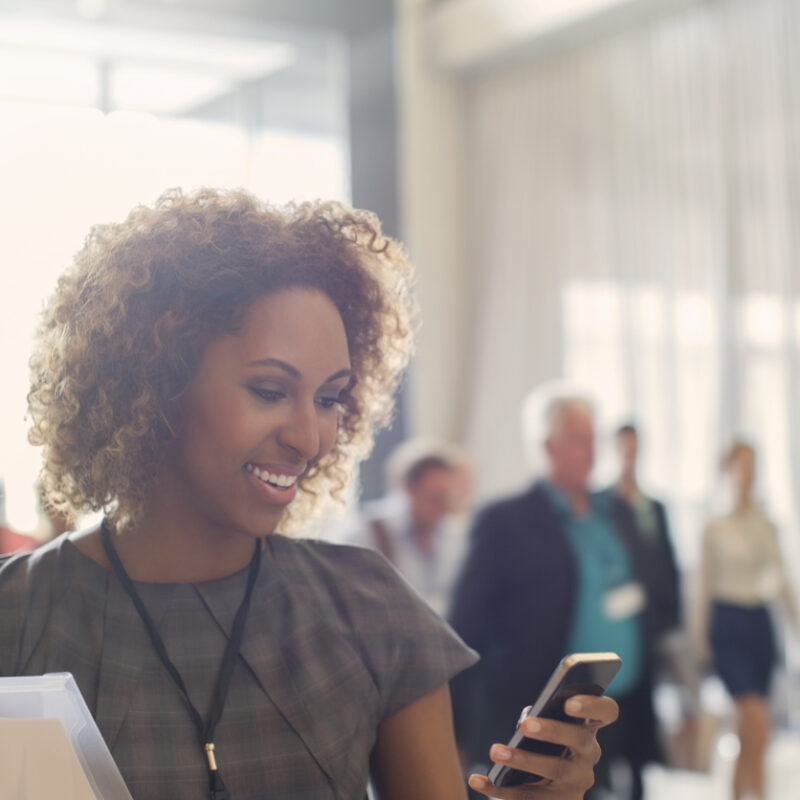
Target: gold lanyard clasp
212	761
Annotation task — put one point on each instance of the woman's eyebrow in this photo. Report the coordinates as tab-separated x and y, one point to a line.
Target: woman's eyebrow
294	372
276	362
342	373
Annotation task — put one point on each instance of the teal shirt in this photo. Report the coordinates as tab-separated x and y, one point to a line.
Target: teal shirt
603	563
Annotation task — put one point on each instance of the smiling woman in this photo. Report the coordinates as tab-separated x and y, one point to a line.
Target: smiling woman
146	297
208	372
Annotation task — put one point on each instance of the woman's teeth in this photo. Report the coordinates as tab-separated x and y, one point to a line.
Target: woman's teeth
281	481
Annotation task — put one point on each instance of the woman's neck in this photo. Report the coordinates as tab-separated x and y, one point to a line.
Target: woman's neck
162	553
175	540
155	552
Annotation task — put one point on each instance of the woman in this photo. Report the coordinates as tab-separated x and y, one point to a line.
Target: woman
741	576
209	371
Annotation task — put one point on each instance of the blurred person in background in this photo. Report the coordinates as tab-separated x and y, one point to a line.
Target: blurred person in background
464	493
550	571
13	542
416	525
661	578
671	657
740	577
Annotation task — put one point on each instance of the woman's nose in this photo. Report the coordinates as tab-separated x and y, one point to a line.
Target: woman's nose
300	433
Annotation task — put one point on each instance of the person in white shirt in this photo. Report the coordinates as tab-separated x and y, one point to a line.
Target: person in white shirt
741	576
417	526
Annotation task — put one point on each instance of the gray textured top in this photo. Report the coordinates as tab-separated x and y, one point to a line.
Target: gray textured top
335	641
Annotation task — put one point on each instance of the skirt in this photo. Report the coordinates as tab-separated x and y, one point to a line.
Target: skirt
743	646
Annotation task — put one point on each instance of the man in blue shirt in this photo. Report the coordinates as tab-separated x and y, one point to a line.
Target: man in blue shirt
551	571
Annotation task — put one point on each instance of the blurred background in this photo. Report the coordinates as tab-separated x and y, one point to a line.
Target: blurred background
605	191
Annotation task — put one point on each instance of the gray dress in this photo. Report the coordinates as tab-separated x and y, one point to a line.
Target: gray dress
335	641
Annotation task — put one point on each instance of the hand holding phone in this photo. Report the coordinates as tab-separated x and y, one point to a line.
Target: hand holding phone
576	674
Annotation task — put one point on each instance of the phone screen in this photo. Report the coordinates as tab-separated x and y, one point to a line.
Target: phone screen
579	673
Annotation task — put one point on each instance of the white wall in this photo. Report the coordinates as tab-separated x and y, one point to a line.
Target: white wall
432	190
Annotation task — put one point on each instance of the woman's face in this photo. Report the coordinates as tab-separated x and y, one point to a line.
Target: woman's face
261	408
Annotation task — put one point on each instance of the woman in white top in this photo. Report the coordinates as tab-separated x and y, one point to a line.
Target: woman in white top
741	576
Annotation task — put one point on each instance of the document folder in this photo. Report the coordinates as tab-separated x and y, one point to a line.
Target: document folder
54	708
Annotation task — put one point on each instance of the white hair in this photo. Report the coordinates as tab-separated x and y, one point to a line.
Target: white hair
543	408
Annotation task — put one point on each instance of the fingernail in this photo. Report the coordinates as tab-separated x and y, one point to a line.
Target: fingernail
531	726
501	753
478	782
573	706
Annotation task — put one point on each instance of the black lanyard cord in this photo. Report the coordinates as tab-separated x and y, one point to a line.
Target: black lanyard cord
204	731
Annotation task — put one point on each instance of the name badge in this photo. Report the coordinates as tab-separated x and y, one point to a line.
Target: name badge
624	601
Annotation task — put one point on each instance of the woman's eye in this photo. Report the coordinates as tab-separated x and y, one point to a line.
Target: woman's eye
268	395
329	402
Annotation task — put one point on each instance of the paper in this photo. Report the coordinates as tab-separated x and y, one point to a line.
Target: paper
55	696
39	762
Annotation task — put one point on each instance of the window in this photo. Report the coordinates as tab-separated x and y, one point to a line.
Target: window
692	373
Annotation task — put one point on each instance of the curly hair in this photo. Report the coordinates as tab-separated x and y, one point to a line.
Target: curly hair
131	318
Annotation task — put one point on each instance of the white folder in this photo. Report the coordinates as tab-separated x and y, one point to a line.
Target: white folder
51	746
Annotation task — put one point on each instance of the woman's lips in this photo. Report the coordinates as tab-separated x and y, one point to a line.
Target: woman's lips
275	476
275	487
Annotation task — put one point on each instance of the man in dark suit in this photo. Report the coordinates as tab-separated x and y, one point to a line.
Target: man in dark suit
650	517
671	658
551	571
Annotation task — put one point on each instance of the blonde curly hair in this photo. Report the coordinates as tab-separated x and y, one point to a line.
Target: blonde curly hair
130	320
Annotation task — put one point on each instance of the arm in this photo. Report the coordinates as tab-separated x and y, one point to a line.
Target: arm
415	753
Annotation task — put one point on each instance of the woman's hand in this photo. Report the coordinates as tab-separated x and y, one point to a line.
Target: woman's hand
565	776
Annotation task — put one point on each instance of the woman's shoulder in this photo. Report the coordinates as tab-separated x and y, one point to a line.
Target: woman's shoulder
30	587
35	577
344	568
350	585
18	569
355	602
320	551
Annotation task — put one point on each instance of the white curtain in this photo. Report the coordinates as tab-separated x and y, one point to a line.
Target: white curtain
635	222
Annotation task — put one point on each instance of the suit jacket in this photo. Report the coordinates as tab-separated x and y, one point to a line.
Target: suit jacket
514	603
658	571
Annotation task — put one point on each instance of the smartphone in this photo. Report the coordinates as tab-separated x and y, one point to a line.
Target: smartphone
577	673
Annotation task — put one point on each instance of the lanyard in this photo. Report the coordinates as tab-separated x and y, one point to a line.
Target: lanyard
205	731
